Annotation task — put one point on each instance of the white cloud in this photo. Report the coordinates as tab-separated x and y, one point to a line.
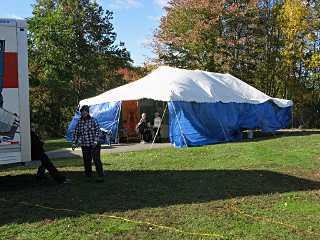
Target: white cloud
120	4
140	42
155	18
13	16
99	2
161	3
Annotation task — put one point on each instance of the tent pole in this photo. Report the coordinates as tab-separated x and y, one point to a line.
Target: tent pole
158	128
117	140
164	122
179	123
114	120
224	132
262	120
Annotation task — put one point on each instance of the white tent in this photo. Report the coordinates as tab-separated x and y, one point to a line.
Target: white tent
173	84
204	107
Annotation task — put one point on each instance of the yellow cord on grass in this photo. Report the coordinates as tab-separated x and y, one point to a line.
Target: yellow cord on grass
124	219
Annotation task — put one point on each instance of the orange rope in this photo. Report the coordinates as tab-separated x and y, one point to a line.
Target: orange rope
262	218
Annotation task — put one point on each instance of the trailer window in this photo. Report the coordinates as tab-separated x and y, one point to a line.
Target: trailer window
2	45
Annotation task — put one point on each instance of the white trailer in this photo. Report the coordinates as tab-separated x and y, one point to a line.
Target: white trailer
15	146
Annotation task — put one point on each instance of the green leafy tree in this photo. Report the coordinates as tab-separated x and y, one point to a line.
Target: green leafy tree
71	53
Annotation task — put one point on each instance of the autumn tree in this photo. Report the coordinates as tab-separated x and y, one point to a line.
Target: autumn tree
299	22
207	34
298	26
270	44
268	75
71	52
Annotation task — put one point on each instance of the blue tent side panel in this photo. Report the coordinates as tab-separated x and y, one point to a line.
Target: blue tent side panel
107	114
272	117
209	123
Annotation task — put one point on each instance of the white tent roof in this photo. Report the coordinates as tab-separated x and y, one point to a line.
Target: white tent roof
167	83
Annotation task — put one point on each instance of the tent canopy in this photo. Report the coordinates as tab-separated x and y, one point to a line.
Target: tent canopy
204	107
173	84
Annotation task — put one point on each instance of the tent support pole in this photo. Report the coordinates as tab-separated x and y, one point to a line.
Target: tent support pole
164	122
117	140
224	132
114	120
158	128
179	123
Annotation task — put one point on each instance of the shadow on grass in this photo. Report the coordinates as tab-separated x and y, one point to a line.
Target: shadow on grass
130	190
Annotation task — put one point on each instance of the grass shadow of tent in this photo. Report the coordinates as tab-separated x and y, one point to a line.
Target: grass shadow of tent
132	190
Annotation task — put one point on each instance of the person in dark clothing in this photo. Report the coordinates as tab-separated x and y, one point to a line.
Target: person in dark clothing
38	153
88	132
144	129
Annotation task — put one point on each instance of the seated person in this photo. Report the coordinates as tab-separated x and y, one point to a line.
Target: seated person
106	135
38	153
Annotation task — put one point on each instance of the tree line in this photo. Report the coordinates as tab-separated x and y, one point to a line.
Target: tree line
72	56
271	44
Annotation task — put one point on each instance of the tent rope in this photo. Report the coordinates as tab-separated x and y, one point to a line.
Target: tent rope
159	127
262	120
304	124
179	123
295	111
220	122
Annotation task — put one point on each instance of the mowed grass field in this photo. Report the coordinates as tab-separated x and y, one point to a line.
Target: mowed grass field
260	188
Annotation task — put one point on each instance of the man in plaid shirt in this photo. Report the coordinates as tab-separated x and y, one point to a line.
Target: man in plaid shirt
87	132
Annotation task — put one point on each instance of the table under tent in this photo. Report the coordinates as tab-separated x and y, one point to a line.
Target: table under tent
202	107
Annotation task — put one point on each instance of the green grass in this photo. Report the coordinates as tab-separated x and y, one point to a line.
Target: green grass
54	144
263	188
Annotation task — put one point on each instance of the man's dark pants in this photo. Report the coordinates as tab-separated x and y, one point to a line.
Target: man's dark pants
89	154
47	164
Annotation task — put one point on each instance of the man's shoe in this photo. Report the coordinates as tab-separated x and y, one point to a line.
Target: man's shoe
68	180
39	178
88	179
99	179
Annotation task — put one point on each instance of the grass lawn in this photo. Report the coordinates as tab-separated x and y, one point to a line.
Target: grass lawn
53	144
262	188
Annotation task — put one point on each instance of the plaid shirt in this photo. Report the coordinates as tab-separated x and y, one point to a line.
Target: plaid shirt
88	130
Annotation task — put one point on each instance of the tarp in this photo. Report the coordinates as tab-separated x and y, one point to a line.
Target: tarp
107	115
204	107
194	124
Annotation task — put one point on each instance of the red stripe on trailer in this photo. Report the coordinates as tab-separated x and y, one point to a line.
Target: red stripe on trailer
14	142
10	64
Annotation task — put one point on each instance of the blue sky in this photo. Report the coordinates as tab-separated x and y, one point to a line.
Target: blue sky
133	20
